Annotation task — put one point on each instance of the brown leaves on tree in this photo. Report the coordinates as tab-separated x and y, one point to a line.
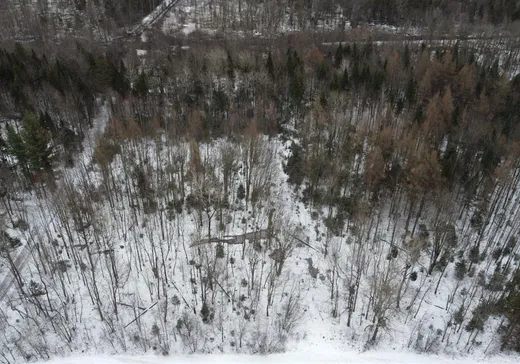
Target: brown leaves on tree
425	172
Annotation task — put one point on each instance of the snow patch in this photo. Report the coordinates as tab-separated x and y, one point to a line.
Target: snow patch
303	357
189	28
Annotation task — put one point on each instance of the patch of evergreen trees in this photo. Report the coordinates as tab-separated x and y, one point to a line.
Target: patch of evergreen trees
31	145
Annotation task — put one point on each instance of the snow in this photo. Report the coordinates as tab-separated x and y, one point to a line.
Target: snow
301	357
183	19
316	336
210	18
316	327
189	28
150	18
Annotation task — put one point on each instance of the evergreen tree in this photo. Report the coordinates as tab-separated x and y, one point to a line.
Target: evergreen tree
355	52
31	146
322	71
345	80
15	145
509	305
120	81
410	91
356	74
449	163
46	122
460	269
241	192
141	85
37	143
56	77
338	57
20	52
347	51
269	65
335	85
230	69
406	57
296	77
295	167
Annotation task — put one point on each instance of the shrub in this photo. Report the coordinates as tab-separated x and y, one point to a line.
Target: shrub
219	251
105	152
460	269
295	167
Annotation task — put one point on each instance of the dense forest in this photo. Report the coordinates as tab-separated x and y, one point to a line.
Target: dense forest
48	20
225	195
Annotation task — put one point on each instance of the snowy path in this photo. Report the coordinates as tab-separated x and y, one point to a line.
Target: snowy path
326	356
154	16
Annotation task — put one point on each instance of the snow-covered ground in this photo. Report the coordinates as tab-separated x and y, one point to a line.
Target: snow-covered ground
148	248
300	357
241	19
149	279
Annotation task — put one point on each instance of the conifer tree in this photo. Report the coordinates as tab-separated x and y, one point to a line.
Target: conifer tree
230	69
338	57
296	77
269	65
120	81
345	80
31	146
406	57
335	85
37	143
15	146
141	85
